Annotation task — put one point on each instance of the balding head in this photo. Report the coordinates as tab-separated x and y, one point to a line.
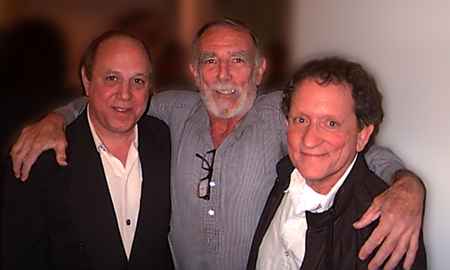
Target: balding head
88	58
116	77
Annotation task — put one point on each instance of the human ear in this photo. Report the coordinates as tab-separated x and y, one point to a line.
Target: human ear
363	137
260	69
86	82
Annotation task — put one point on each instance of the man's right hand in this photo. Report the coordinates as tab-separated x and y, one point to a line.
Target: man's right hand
46	134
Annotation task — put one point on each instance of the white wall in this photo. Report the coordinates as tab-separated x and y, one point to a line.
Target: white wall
406	44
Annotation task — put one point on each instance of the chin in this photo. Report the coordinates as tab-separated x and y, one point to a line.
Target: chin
122	128
311	173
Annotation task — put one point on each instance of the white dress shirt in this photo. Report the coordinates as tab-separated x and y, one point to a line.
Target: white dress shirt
124	185
283	246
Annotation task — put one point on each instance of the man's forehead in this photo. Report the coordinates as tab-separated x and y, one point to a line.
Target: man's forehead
226	35
120	45
319	98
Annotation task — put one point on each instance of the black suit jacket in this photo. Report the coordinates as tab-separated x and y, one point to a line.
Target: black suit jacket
331	241
63	217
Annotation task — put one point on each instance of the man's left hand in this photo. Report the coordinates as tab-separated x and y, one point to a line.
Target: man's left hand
400	210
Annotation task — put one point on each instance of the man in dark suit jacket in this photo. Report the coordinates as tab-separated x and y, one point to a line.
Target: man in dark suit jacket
82	216
324	186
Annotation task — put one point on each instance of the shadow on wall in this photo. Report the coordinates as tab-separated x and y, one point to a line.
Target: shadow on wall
34	67
158	33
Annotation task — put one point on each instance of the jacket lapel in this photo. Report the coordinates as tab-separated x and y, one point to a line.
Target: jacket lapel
284	169
92	203
145	149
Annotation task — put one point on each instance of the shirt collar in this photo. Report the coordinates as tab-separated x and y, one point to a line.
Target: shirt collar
99	145
304	198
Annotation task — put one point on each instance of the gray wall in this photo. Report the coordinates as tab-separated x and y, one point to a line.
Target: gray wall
406	44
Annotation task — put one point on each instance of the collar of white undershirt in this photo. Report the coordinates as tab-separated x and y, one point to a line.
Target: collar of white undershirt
98	141
304	198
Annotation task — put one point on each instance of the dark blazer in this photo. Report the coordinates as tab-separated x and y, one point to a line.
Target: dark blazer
63	217
331	241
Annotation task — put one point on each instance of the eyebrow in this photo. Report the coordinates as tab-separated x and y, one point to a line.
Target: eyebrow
244	54
149	74
203	55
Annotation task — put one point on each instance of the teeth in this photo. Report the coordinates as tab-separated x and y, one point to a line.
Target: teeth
120	109
226	91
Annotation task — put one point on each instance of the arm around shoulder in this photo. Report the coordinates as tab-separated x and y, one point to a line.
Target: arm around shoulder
400	213
46	134
167	105
383	162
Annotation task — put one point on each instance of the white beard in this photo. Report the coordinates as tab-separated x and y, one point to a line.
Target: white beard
222	110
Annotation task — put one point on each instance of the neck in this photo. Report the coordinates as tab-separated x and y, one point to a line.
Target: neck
221	128
118	144
322	186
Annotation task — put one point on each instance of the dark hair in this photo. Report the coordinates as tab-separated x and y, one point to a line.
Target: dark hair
88	58
233	23
334	70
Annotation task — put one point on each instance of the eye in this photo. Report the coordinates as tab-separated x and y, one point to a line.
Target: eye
299	120
111	78
207	61
238	60
139	81
332	124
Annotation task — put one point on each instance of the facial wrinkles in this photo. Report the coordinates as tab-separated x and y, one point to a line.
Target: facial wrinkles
225	71
328	150
245	96
119	86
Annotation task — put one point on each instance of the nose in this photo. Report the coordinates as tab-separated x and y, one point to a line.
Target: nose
224	72
124	92
311	137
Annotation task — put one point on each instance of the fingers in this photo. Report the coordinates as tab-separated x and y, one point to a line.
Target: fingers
35	139
412	251
376	238
20	150
28	161
391	248
395	246
371	214
397	233
60	150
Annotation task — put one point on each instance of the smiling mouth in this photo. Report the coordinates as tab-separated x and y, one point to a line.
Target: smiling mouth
120	109
313	155
226	91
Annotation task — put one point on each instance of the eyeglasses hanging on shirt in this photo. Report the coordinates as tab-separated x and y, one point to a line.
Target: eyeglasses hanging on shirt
204	186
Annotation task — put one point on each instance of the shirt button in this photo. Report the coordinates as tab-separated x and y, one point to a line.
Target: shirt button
128	222
211	212
212	184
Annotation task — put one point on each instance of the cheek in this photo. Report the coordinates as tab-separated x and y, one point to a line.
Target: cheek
336	141
243	76
206	75
294	137
100	98
342	148
141	100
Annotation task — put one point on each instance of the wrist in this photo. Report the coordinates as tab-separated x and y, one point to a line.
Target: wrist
407	178
56	119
